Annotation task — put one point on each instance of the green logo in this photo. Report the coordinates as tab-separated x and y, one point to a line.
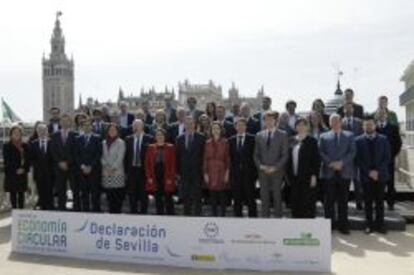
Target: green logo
304	240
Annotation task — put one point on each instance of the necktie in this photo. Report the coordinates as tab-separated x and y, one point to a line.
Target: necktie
269	137
137	153
336	139
43	147
240	143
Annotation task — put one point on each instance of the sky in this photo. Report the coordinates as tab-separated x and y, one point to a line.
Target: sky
294	48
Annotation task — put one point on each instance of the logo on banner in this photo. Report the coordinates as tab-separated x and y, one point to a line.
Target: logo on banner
43	234
211	232
305	239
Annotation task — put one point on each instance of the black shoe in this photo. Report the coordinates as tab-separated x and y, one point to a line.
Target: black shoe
344	231
369	230
382	230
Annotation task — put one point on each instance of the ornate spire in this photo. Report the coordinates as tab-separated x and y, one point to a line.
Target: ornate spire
338	84
58	40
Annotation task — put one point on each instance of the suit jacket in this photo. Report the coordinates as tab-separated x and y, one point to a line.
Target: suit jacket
366	161
259	117
253	126
276	154
173	131
63	151
42	161
284	124
172	117
127	131
345	151
88	153
129	155
112	160
228	127
100	129
308	160
169	168
355	127
190	161
51	129
196	114
242	161
392	132
14	160
358	111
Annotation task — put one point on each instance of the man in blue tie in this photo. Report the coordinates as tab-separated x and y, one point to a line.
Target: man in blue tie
337	150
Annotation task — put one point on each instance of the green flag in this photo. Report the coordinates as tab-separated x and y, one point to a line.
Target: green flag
8	116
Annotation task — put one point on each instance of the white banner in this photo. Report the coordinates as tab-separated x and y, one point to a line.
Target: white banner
219	243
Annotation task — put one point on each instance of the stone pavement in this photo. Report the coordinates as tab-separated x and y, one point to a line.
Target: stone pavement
355	254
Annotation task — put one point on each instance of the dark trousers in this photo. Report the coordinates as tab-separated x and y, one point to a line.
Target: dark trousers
90	193
115	197
336	194
44	187
75	188
163	200
244	192
191	191
391	186
137	192
374	193
303	199
61	180
218	203
17	200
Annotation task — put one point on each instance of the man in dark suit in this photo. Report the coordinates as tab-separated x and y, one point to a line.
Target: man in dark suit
392	132
125	120
228	126
136	145
337	150
54	123
99	125
170	111
192	109
177	128
266	106
349	98
190	151
243	170
62	146
88	152
148	119
253	125
373	157
354	125
41	158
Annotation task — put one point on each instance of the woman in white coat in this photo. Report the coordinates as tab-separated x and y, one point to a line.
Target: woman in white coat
113	174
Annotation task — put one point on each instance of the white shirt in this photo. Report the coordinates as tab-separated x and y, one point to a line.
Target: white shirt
382	124
243	137
123	120
43	144
137	139
55	127
181	128
292	121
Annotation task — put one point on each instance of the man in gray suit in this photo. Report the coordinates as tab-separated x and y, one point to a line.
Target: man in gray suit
270	156
337	149
354	124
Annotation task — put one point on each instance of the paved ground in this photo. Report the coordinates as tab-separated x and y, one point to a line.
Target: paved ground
355	254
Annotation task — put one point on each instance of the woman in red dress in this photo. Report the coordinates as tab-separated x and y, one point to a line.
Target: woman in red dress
160	172
216	168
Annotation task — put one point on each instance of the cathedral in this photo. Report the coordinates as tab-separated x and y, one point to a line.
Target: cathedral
58	75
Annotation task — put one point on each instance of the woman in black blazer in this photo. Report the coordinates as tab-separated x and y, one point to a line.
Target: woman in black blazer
16	167
303	171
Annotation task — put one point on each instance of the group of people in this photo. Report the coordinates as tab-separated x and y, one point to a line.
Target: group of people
214	157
